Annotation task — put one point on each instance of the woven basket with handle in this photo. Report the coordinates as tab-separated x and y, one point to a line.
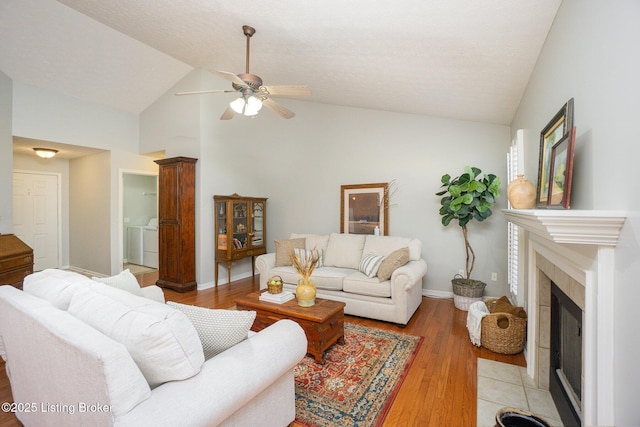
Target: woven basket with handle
274	289
503	340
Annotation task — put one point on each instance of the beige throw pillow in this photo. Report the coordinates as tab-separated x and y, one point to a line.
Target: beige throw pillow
284	249
394	260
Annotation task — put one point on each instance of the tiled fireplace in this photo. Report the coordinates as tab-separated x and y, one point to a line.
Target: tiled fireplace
575	251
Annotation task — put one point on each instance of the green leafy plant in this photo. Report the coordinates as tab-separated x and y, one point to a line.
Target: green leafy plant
467	197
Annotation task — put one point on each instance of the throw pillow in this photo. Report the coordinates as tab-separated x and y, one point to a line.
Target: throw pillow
396	259
161	340
218	329
310	254
370	264
284	249
125	281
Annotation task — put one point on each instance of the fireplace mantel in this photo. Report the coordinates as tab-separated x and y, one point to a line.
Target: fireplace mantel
559	236
582	227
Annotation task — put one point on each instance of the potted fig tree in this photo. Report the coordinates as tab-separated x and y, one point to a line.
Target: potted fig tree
467	197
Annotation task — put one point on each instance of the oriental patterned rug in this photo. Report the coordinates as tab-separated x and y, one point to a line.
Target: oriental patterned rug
359	380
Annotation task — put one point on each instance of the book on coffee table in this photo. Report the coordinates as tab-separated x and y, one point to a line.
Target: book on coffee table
277	298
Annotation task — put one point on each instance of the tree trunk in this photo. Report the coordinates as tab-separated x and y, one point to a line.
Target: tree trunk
471	255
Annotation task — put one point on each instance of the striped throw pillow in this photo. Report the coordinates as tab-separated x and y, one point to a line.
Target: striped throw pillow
308	254
370	263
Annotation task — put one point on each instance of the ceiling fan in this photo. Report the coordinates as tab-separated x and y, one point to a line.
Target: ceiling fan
253	94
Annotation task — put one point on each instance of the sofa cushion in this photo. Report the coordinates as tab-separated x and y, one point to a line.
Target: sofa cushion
124	280
396	259
55	286
308	254
218	329
160	339
313	241
344	250
328	278
284	250
384	245
370	263
359	283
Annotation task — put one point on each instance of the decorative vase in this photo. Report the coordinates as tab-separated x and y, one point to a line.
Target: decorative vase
521	193
306	293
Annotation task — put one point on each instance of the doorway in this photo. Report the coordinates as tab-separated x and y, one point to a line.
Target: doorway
139	220
36	215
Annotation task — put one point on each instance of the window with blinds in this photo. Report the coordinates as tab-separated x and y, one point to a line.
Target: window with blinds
514	164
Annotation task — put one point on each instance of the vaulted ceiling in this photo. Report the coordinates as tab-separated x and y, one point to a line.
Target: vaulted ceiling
462	59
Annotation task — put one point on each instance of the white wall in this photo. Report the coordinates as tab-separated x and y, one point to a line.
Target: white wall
90	219
39	114
592	55
300	164
56	165
6	155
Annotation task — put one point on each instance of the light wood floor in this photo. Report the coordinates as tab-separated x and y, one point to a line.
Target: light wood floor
440	388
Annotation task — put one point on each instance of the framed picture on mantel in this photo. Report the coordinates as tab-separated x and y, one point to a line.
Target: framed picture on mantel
559	127
561	172
364	209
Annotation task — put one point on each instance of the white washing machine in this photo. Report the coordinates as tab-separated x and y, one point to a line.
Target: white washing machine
143	244
134	235
150	244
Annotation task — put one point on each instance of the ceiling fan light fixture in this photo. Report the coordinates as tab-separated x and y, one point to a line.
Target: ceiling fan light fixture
247	106
45	153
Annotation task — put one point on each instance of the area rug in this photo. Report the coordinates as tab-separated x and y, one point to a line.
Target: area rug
359	380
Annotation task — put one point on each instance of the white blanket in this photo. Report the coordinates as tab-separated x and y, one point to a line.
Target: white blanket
477	311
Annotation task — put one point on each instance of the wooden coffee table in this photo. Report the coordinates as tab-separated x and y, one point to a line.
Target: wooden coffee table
322	323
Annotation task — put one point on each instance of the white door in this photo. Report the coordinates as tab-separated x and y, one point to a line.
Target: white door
35	216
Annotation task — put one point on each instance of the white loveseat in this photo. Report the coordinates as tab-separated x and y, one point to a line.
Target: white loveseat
341	277
64	372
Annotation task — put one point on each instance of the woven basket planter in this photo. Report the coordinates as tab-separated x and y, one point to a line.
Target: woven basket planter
466	292
509	340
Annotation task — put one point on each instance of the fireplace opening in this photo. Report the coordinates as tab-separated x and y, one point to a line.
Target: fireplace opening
565	375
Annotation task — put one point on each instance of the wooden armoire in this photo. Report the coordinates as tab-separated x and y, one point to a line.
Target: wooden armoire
177	224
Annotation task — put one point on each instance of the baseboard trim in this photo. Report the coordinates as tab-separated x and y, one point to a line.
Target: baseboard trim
436	294
83	271
222	281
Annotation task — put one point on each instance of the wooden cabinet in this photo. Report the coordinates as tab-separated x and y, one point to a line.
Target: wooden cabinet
16	260
177	224
241	230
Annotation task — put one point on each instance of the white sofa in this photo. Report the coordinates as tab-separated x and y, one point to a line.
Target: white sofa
64	372
340	279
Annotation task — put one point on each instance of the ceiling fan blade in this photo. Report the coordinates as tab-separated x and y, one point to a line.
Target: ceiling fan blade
228	114
200	92
232	78
273	105
291	90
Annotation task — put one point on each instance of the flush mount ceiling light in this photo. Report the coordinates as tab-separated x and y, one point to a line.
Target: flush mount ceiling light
45	153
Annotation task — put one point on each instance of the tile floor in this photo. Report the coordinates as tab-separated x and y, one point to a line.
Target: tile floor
503	385
137	269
